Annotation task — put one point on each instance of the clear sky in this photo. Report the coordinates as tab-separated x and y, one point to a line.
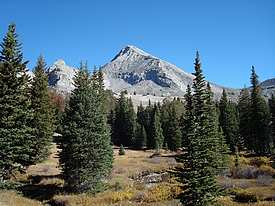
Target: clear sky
231	35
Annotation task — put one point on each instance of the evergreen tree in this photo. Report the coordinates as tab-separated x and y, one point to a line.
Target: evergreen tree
141	138
229	122
157	135
121	150
200	159
16	134
124	123
260	118
187	118
43	121
148	120
272	111
173	135
86	156
244	107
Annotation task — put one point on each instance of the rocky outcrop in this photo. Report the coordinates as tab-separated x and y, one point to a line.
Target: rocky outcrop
61	77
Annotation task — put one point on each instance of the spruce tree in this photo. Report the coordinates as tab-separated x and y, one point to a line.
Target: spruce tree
141	138
260	118
272	111
229	122
244	108
148	120
200	159
16	133
173	135
157	135
43	119
86	156
124	122
187	118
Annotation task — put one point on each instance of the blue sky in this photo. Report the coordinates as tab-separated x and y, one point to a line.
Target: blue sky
231	35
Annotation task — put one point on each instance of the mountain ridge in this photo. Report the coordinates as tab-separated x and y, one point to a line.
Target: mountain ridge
141	74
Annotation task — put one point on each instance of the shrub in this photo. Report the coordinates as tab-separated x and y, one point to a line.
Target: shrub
266	170
264	180
9	185
162	192
121	150
259	161
245	196
247	172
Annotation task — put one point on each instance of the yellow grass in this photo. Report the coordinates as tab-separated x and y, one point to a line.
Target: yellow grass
9	198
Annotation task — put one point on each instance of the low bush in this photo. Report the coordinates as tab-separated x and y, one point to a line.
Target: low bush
162	192
244	196
121	150
259	161
267	170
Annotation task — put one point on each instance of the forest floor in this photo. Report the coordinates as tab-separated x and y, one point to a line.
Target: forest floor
138	178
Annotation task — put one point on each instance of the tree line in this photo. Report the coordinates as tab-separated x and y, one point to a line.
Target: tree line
246	124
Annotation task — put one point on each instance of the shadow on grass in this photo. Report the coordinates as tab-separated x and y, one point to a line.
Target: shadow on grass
41	192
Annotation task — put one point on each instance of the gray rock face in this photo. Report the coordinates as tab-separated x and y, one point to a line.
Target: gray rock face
61	77
268	87
142	74
139	72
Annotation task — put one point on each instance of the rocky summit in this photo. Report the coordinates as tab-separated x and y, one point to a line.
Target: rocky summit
143	75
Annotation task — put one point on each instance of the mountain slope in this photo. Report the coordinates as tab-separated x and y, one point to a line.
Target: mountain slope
139	72
143	76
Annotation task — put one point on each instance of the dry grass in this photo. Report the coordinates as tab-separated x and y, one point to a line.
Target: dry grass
124	189
9	198
227	201
48	167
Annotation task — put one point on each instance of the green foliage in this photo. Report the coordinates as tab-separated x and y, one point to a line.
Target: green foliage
244	107
170	116
16	133
157	135
229	121
245	196
272	111
121	150
141	137
202	158
43	119
124	122
260	118
86	157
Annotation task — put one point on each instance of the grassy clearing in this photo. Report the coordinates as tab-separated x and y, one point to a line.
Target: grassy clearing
125	186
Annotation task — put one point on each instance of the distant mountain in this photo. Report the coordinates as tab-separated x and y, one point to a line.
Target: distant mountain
61	77
143	75
268	87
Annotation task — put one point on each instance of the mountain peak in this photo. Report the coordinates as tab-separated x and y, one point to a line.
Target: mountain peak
130	50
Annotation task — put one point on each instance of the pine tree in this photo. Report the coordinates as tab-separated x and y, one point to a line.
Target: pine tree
272	111
187	118
86	156
124	123
16	134
200	160
141	138
229	122
148	120
157	135
173	135
43	121
260	118
244	107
